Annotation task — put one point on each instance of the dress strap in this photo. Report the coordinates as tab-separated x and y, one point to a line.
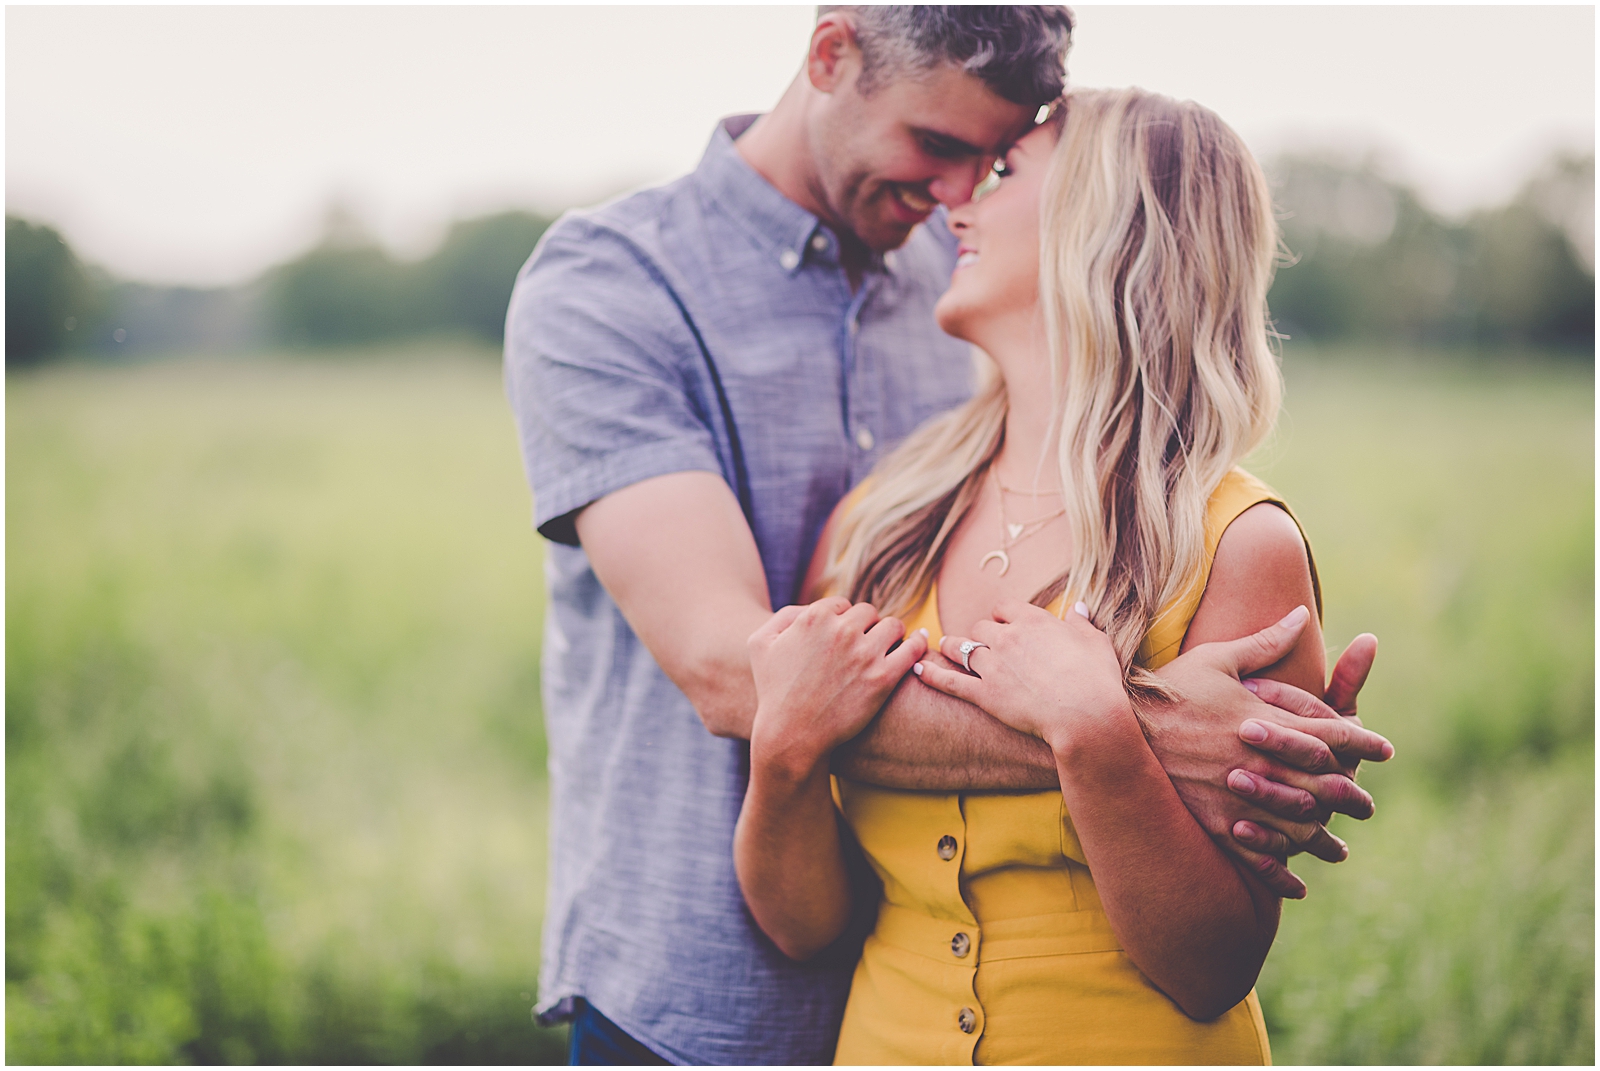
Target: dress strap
1237	492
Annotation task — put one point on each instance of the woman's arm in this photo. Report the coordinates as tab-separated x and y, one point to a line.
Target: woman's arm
821	673
1192	919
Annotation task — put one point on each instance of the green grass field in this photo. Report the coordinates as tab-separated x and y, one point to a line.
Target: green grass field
275	786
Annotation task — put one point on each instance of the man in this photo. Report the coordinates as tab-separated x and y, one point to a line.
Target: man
700	372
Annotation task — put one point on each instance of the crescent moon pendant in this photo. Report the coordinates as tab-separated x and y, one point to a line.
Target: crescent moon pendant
1005	561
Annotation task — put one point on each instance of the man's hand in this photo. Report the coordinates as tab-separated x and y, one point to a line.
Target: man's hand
1280	788
1326	748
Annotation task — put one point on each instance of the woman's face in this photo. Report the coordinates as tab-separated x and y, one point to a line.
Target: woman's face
995	286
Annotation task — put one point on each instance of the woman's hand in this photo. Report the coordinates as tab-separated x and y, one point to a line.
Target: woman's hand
821	672
1037	673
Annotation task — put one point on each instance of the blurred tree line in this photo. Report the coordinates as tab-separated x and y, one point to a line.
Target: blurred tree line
1368	260
49	294
346	290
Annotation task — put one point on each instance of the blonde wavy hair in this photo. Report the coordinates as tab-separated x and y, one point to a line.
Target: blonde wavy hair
1158	245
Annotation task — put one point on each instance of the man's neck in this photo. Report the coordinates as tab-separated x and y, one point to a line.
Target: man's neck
777	147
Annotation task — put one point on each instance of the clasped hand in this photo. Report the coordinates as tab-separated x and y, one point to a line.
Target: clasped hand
1041	675
821	673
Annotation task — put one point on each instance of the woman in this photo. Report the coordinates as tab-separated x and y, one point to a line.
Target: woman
1117	276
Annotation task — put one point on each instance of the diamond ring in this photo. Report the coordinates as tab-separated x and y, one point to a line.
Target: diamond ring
966	649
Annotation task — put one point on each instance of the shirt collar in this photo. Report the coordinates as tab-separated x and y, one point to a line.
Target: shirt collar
777	224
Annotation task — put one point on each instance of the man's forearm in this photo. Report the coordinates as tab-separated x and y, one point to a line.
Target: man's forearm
923	739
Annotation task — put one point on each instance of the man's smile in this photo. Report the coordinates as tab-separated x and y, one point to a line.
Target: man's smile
913	202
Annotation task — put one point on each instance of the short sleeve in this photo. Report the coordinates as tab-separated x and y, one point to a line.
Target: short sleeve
597	371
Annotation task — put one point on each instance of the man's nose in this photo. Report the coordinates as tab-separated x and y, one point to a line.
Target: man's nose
953	186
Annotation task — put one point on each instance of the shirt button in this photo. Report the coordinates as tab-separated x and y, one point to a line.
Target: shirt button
855	325
960	945
889	260
788	258
947	847
967	1020
819	243
864	438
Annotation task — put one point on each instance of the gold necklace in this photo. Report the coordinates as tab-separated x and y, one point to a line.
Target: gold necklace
1011	534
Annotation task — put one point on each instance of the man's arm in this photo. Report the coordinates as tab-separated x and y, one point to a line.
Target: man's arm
676	554
924	739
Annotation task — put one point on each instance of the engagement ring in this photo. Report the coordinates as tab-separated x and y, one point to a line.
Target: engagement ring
967	647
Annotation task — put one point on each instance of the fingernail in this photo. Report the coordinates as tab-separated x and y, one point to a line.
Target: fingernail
1251	685
1294	617
1242	783
924	632
1253	731
1081	609
1245	831
916	667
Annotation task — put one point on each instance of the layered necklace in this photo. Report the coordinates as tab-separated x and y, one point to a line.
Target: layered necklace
1012	533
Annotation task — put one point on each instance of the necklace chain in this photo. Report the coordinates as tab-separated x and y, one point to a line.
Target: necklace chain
1012	534
1034	492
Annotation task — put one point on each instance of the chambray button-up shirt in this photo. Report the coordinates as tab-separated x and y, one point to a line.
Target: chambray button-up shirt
705	325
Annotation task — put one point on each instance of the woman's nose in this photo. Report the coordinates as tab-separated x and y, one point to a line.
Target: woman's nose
956	218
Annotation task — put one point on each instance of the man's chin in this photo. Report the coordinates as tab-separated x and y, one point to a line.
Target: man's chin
887	235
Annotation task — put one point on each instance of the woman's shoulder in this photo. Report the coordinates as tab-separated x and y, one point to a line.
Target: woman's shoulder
1262	539
1267	539
1238	492
852	498
813	585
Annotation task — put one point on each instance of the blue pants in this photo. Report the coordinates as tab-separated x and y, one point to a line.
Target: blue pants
597	1041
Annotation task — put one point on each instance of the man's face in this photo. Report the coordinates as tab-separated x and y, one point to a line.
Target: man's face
884	161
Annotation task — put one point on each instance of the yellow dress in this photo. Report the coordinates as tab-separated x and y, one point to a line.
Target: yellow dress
991	946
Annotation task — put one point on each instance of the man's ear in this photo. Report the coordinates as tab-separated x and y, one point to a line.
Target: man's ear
835	57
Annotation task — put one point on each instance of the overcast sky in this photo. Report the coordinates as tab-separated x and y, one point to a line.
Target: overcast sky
199	145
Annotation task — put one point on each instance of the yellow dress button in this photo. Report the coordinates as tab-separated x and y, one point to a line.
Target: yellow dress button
967	1020
960	944
947	847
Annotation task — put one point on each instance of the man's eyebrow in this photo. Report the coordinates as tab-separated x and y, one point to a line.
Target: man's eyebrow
949	143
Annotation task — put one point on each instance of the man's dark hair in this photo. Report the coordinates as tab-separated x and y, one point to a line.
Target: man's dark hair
1020	51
